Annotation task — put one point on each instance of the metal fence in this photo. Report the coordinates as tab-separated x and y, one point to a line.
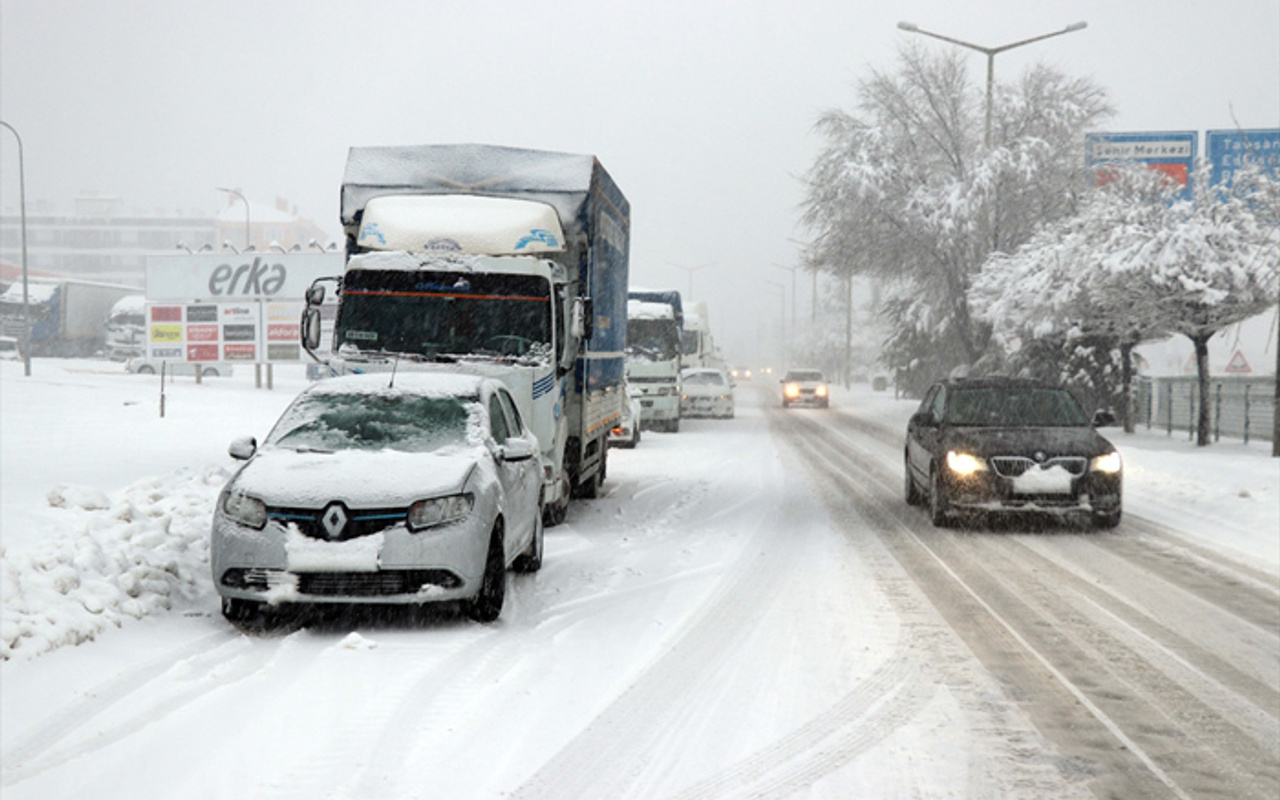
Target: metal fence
1239	408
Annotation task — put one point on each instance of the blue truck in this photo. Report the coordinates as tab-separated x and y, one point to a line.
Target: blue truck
499	261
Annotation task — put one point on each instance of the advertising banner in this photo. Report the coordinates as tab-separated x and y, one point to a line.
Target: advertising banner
223	277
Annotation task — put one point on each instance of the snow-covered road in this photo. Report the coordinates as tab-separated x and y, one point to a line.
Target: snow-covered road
750	610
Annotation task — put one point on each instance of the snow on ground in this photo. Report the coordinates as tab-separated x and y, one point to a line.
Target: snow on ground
105	510
104	505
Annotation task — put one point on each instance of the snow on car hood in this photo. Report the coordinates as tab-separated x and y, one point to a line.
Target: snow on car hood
359	478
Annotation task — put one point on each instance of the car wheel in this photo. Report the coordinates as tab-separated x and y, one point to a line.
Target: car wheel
1103	520
939	508
555	513
531	559
487	604
247	615
911	492
210	372
146	370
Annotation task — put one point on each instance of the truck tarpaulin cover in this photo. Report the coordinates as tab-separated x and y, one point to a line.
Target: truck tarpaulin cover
562	180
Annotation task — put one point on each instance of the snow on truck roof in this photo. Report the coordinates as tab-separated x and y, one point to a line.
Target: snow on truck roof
460	223
563	180
640	309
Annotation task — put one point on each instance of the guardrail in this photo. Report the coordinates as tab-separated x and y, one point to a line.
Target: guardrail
1240	408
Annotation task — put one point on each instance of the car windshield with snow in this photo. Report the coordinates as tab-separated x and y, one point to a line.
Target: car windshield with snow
378	489
1003	444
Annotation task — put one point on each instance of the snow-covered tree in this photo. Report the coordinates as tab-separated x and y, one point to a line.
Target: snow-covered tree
1135	263
905	191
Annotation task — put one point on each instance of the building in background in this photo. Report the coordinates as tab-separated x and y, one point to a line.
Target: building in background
100	239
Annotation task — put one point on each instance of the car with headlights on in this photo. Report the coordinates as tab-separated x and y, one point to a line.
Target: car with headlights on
1010	445
381	488
706	392
805	387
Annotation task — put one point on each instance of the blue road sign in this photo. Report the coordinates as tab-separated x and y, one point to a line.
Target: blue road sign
1229	150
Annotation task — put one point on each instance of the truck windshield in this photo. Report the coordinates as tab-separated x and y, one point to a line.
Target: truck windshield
446	314
653	339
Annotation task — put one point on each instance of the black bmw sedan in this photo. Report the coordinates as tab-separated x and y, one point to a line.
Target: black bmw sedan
1010	444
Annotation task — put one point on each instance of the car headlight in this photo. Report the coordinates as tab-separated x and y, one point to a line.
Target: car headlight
964	463
821	391
244	510
439	511
792	390
1109	463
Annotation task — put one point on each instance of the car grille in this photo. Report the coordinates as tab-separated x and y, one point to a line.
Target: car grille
361	522
1014	466
383	583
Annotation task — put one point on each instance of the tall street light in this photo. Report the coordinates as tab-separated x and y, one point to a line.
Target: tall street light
246	212
991	52
692	270
793	295
26	300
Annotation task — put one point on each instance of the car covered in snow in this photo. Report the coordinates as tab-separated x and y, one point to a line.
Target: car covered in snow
9	349
1009	444
382	488
142	366
626	431
706	392
805	387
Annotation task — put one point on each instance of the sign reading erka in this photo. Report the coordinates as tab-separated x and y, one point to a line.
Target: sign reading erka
243	276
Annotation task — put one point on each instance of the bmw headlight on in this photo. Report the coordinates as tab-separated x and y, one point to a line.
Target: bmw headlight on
1109	463
964	463
439	511
243	509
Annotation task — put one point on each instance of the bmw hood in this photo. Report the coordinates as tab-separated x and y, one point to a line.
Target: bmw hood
987	442
360	479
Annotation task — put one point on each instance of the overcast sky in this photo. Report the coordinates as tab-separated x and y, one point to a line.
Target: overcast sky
702	110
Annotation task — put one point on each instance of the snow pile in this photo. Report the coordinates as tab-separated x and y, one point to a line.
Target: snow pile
127	554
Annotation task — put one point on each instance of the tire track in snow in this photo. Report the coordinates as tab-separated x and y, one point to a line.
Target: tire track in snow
1187	747
207	664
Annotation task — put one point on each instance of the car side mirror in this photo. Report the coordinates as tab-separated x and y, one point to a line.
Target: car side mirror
924	419
242	449
1103	418
517	449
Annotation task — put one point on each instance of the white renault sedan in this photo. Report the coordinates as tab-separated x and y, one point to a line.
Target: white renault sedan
373	489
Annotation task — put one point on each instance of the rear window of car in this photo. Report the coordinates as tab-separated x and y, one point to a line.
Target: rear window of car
1032	407
405	422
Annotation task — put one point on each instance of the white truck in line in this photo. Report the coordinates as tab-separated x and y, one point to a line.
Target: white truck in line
654	323
699	348
496	261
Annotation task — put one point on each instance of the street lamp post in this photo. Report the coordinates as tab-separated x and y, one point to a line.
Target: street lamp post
990	53
26	299
246	212
793	295
692	270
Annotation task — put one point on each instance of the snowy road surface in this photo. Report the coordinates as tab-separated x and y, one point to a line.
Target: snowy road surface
750	611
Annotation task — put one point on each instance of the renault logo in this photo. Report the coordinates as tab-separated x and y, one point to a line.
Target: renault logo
334	520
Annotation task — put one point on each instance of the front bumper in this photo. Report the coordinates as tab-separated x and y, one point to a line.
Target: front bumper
278	564
706	406
987	491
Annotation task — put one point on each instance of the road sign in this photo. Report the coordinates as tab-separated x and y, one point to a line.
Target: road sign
1229	150
1238	365
1171	152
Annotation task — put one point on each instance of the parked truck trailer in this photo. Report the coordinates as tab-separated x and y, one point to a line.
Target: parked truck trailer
497	261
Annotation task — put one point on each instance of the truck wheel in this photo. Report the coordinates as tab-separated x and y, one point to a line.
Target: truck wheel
487	604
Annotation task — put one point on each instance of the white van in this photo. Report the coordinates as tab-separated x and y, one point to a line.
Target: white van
9	349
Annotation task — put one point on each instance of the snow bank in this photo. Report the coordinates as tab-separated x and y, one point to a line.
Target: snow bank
125	554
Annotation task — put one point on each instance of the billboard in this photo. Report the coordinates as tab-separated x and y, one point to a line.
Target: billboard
1171	152
211	307
1228	150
